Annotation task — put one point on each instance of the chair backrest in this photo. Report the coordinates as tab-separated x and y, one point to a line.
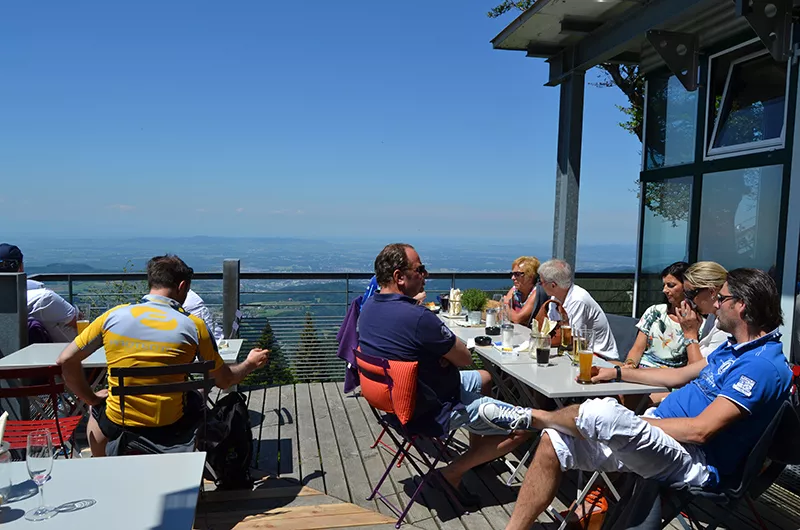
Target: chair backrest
44	383
389	386
122	389
624	330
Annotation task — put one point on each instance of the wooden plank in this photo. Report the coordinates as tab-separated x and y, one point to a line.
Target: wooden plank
300	517
255	406
260	493
269	441
289	464
315	523
353	466
310	462
335	481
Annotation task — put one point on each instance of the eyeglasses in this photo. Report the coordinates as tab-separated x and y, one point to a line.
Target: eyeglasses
517	274
690	294
722	298
420	270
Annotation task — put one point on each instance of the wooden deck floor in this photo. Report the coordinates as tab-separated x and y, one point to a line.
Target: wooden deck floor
314	438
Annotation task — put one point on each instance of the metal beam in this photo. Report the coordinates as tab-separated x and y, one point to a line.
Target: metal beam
573	26
612	38
680	53
772	22
542	51
568	172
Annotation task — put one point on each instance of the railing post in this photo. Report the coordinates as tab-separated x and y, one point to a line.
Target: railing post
346	292
230	293
69	284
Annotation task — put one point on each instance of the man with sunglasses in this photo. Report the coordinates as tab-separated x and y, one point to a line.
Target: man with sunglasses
700	435
392	326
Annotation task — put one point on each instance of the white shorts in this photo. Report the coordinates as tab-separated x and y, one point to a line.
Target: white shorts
616	439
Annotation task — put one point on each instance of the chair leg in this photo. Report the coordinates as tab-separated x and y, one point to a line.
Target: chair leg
752	506
385	474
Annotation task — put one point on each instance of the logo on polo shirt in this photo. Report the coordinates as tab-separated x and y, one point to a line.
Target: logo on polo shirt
744	386
446	333
724	366
154	318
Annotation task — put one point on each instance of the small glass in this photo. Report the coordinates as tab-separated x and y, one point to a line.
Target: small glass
566	339
585	357
508	337
540	348
5	472
39	460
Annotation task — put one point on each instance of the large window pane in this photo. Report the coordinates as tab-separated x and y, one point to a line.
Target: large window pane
739	217
666	223
671	123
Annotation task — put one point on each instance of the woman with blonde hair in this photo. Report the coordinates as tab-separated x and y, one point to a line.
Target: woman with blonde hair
524	299
701	284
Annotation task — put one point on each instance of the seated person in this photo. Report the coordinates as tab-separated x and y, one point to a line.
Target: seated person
197	307
701	284
393	326
524	299
660	342
154	332
59	317
583	312
700	435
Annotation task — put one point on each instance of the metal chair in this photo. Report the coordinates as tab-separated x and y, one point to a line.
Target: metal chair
45	384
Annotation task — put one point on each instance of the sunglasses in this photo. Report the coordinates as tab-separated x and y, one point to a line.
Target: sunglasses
420	270
690	294
722	298
517	274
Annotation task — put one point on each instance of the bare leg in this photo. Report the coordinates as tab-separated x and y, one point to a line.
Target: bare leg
97	440
539	487
482	449
486	382
562	420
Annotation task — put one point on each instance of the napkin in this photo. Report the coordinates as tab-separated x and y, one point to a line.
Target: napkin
3	420
547	326
470	343
520	348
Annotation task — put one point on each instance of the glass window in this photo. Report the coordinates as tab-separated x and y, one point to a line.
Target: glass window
671	123
739	217
747	100
665	240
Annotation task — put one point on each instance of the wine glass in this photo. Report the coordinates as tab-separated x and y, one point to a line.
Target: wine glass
39	459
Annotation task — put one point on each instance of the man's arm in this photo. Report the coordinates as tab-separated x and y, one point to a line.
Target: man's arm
70	362
226	376
459	355
668	377
721	413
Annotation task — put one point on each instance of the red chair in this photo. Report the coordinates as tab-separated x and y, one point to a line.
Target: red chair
61	429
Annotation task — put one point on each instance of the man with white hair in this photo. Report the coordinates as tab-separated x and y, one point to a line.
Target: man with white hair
558	282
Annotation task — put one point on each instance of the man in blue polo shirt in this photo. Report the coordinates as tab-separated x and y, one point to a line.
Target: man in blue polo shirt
393	326
699	435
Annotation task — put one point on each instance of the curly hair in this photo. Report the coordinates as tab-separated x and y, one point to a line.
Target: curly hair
529	265
393	257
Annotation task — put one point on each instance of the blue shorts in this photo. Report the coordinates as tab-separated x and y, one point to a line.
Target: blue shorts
472	399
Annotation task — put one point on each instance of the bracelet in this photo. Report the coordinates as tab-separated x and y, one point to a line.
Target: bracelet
619	374
631	363
691	341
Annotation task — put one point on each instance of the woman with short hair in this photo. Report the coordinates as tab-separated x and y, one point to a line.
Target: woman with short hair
524	299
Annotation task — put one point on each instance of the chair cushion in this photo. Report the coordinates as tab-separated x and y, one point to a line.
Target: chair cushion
402	398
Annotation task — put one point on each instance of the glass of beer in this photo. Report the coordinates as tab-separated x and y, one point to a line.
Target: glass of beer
585	356
578	342
566	339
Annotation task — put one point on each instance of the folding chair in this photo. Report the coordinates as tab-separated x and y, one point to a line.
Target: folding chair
775	449
61	428
391	386
136	443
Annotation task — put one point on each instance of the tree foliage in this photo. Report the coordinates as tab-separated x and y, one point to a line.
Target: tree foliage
308	352
277	370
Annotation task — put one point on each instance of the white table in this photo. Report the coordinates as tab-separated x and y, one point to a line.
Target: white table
131	492
38	355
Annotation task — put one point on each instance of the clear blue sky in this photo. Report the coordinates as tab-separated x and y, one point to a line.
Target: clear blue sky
374	119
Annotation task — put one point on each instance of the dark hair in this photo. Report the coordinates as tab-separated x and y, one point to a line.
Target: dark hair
167	271
677	269
391	258
758	292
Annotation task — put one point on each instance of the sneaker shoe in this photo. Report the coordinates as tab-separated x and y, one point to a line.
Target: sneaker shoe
504	416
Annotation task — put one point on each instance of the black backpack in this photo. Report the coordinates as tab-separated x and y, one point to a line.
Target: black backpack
228	443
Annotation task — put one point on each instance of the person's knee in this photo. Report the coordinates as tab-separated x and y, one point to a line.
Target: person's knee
546	452
601	419
486	382
97	440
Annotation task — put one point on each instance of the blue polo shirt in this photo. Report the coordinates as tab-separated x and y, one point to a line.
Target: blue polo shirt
395	327
755	376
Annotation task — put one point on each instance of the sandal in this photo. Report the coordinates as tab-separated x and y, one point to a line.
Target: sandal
592	520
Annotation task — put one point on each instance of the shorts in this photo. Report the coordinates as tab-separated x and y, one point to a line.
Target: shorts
617	440
472	399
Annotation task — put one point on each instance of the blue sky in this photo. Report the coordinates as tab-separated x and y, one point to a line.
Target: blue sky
316	119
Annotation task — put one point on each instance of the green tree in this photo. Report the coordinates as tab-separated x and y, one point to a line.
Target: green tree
308	362
277	370
112	293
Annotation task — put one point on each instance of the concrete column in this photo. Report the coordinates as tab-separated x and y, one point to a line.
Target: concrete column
13	312
230	293
568	173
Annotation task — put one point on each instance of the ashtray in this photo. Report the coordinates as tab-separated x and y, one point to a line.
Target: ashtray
493	330
483	340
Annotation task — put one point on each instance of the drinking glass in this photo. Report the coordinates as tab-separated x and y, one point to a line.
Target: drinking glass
566	339
39	459
585	356
540	348
578	343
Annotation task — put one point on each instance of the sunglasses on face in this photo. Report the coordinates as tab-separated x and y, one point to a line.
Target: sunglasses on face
690	294
420	270
722	298
517	274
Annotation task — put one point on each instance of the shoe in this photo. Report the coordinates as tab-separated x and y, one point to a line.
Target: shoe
504	416
593	520
469	501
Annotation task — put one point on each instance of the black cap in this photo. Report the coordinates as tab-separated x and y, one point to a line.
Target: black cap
10	258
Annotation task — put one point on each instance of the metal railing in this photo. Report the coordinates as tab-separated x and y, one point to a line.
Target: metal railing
303	311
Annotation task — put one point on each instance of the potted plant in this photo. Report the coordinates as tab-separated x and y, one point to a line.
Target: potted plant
473	301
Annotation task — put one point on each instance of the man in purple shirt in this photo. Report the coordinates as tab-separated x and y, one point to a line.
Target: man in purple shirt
393	326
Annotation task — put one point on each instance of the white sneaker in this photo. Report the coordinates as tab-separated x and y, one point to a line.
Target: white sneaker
504	416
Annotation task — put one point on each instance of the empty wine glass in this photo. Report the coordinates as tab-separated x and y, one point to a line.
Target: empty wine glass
39	459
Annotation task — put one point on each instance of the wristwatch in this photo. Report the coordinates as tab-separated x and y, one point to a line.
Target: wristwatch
691	341
618	379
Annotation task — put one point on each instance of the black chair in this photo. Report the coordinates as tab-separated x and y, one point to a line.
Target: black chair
776	448
625	331
136	443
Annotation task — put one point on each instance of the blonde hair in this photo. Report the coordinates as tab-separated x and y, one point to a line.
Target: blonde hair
527	264
706	274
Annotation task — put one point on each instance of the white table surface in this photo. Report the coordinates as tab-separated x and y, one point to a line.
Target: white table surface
37	355
557	380
156	492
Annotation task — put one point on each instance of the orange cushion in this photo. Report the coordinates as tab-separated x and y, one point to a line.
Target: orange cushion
403	397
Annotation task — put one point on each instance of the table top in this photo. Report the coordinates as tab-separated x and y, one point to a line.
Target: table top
37	355
131	492
558	379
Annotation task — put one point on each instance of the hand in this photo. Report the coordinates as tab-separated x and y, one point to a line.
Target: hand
100	396
603	375
689	320
257	358
420	298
